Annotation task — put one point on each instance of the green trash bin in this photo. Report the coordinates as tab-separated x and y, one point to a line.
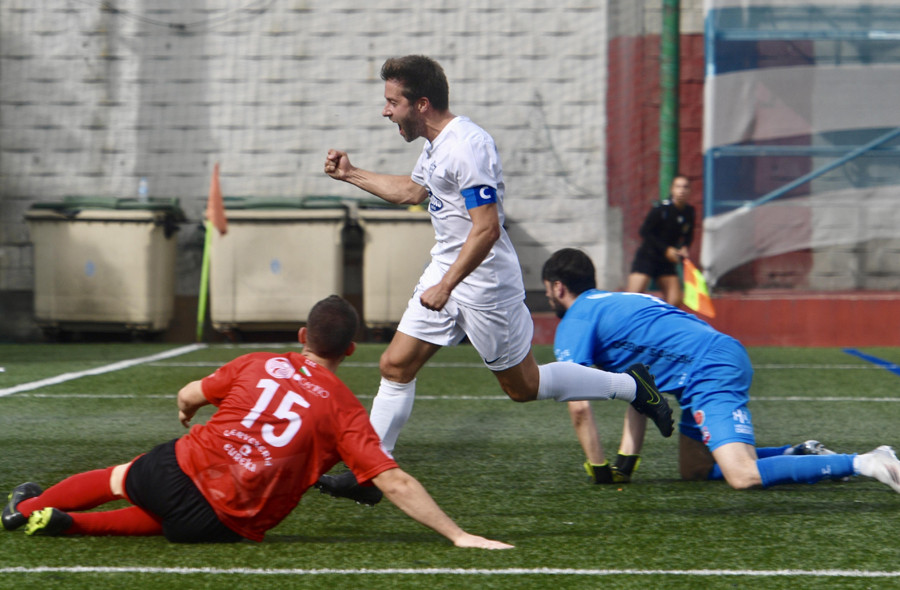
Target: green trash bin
104	264
278	258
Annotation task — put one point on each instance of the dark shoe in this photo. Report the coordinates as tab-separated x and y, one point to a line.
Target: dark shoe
344	485
649	402
624	466
12	518
49	522
598	473
809	447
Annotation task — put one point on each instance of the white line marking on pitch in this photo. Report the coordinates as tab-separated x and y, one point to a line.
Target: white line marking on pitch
100	370
454	572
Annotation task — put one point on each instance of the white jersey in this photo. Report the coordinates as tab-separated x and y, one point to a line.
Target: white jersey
463	157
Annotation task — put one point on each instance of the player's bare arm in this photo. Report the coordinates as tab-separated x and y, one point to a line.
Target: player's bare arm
633	431
408	495
484	233
393	188
190	399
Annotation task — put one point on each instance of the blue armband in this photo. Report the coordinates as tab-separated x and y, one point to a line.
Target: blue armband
479	195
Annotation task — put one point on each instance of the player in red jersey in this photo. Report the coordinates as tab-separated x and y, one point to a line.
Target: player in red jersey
281	422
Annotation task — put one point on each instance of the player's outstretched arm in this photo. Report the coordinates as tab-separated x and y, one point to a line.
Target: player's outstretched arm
411	497
393	188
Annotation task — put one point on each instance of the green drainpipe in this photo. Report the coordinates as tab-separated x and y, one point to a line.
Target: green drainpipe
668	107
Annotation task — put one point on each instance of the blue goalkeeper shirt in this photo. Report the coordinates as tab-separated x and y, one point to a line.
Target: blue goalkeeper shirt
613	331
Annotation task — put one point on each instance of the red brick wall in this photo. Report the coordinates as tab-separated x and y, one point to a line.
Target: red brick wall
791	318
633	129
633	154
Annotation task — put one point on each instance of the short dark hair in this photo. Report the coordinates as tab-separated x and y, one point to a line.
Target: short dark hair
420	76
573	268
331	327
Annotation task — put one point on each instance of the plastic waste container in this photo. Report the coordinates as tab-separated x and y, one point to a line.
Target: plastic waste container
279	257
397	246
104	264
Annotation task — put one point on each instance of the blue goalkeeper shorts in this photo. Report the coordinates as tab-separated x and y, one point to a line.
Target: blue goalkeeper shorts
714	404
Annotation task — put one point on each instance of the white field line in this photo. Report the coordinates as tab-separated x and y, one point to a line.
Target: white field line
156	361
453	572
100	370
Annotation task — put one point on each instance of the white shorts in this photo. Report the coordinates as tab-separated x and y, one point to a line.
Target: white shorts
501	336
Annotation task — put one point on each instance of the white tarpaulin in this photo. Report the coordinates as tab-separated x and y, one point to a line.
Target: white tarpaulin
799	90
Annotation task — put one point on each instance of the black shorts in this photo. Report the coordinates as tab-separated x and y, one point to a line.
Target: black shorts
652	265
157	484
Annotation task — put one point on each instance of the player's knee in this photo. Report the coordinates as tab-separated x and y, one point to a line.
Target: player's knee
580	412
743	484
393	371
520	385
695	472
743	479
518	396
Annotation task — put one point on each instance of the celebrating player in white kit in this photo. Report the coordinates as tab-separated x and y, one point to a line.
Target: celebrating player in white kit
473	286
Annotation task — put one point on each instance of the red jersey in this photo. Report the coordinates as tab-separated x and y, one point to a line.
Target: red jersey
282	421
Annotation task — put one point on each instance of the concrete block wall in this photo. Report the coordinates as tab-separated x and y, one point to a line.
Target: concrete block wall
873	265
94	97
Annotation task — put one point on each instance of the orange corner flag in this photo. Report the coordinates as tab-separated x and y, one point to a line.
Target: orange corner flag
696	294
215	204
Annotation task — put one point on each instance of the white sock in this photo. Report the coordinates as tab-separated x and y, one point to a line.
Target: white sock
390	410
568	382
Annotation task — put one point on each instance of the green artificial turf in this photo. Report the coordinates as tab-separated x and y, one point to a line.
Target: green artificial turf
505	470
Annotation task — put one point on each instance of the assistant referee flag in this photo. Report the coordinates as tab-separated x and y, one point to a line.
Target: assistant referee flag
696	294
215	204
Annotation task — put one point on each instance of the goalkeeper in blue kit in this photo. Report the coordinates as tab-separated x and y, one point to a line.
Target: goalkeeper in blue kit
708	372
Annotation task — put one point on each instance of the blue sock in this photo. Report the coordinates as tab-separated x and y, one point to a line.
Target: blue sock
761	453
803	468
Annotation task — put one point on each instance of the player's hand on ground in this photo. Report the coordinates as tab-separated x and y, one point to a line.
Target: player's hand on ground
476	542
